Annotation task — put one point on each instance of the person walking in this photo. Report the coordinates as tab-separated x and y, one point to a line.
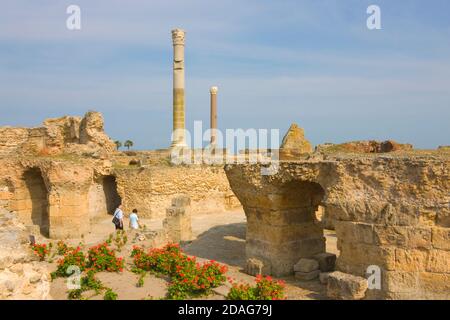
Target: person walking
118	218
134	220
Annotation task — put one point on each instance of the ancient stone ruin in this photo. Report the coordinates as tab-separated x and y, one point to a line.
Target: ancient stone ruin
388	203
392	212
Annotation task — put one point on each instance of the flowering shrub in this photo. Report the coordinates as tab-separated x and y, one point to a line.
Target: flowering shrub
62	247
73	257
266	289
89	282
242	291
189	278
194	279
102	258
40	250
164	260
110	295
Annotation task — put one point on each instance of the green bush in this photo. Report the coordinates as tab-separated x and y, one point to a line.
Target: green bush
102	258
265	289
110	295
74	257
188	278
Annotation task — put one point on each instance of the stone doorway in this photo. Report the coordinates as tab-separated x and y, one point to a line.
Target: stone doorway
282	226
103	197
36	201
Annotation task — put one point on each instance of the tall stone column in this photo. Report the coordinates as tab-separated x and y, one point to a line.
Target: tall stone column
178	138
213	92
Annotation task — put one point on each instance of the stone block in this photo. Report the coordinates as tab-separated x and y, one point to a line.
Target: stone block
441	238
354	232
327	261
254	267
181	201
419	238
345	286
323	277
435	285
400	282
438	261
366	255
306	265
391	235
307	276
410	259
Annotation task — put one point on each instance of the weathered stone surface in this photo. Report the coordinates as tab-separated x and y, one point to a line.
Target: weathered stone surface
367	146
346	286
307	276
57	136
151	189
295	139
21	277
441	238
255	267
323	277
390	211
306	265
177	224
327	261
294	143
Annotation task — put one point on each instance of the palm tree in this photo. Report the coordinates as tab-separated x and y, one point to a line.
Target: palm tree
128	144
118	144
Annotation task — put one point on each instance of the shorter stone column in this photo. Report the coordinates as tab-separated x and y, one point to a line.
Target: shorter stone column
177	223
213	92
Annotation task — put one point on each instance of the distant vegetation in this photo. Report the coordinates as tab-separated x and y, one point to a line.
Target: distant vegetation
127	144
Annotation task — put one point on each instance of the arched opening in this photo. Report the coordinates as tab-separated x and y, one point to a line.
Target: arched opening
282	226
103	197
36	200
112	197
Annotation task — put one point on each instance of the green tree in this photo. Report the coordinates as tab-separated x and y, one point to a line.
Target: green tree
118	144
128	144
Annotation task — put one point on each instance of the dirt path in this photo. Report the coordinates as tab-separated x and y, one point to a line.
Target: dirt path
219	237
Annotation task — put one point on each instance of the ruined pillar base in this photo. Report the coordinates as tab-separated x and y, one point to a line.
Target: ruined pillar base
177	223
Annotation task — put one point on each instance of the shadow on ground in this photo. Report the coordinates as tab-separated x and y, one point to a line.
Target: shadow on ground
224	243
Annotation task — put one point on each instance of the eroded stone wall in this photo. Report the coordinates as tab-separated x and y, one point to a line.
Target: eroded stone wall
49	196
391	211
69	134
151	189
21	275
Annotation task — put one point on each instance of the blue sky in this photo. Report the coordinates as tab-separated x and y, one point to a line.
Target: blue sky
275	62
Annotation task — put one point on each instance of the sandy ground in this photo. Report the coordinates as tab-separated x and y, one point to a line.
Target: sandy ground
219	237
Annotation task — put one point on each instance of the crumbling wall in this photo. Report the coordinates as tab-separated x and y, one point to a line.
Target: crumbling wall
391	212
75	135
151	189
50	197
21	275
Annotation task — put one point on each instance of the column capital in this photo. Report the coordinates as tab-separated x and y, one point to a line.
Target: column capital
178	36
213	90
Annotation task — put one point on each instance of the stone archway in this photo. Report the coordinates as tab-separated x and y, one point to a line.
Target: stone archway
282	226
103	197
35	201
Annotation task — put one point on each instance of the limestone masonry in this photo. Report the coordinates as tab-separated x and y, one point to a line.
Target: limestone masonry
390	211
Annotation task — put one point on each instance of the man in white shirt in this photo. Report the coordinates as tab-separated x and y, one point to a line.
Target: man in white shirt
118	218
134	220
